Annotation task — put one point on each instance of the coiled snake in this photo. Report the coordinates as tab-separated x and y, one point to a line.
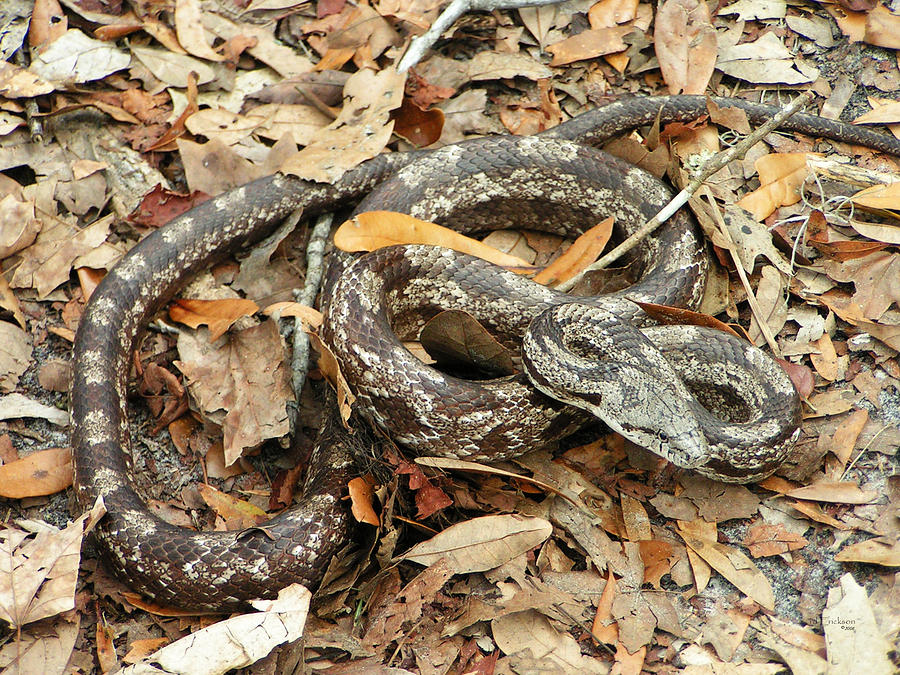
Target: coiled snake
396	288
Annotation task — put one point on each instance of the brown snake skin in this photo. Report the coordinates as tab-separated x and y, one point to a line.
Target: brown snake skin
219	571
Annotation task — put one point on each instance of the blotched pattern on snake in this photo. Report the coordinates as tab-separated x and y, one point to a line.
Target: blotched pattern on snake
221	570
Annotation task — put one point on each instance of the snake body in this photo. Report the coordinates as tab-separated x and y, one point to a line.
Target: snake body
222	570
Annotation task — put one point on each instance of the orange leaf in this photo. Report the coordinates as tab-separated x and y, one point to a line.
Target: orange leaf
44	472
579	255
219	315
780	177
361	493
376	229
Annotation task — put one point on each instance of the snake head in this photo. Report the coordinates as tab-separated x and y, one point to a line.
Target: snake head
587	357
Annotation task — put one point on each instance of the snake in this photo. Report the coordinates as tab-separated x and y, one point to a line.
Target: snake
371	303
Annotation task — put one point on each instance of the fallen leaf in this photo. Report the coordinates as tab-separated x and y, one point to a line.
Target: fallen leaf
40	572
237	513
883	551
359	133
780	177
243	383
685	44
219	315
15	406
233	643
766	540
735	567
190	31
361	495
44	472
481	543
376	229
455	339
853	639
837	492
583	251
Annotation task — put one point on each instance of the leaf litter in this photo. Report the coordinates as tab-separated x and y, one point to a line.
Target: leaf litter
628	568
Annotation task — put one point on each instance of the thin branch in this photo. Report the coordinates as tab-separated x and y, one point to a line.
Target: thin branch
422	43
315	253
713	165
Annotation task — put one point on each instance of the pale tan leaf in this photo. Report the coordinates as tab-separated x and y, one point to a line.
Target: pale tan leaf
38	574
685	43
780	177
853	639
359	133
190	33
236	642
482	543
838	492
735	567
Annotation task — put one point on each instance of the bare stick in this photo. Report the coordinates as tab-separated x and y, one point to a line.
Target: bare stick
422	43
315	251
712	165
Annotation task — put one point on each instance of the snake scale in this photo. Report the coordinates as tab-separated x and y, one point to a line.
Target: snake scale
398	288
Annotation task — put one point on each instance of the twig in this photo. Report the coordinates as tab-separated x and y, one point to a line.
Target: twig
35	127
420	44
315	251
713	165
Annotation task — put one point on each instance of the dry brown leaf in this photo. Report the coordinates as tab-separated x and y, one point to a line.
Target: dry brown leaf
481	543
734	566
48	262
219	315
40	573
853	639
455	339
685	44
15	355
539	646
637	523
765	540
771	295
18	225
579	255
243	383
236	642
376	229
236	513
883	232
844	440
359	133
331	371
882	27
44	472
138	649
45	647
883	551
826	361
189	29
780	177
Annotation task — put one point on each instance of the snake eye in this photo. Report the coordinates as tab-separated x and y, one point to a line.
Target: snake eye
662	436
